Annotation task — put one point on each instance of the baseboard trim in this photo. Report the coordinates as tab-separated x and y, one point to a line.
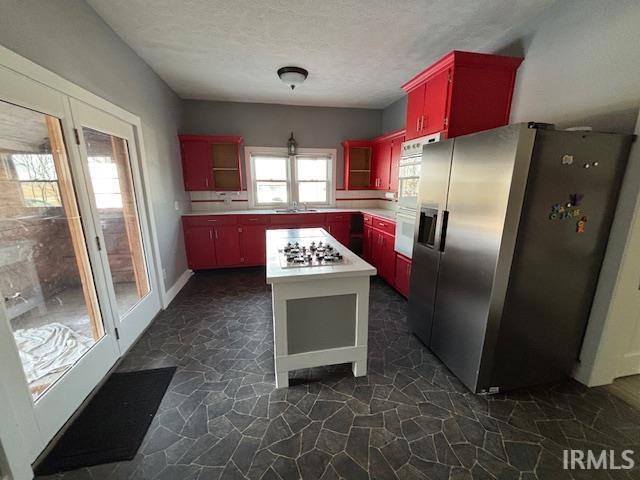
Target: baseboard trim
175	288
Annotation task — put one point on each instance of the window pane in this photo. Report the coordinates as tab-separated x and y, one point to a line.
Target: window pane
271	192
112	184
270	168
309	168
312	192
45	273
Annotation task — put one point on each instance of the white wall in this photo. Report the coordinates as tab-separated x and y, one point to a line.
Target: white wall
581	67
70	39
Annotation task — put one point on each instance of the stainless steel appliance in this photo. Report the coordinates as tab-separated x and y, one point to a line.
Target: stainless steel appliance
408	182
513	225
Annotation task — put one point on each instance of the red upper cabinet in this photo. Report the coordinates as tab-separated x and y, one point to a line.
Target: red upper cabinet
357	164
461	93
415	111
386	159
381	168
396	154
211	162
196	165
436	97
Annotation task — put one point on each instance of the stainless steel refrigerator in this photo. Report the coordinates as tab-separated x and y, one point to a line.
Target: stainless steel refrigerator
512	227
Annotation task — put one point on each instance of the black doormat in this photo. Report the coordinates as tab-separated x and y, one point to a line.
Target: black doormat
113	424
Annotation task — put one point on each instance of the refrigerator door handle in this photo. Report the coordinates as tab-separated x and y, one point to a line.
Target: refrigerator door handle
443	229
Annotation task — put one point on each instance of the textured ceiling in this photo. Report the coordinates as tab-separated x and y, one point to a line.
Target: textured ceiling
358	53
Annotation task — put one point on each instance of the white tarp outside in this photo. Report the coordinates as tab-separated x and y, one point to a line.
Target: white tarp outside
49	349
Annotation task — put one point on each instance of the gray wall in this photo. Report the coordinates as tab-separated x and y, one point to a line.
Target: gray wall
268	125
581	67
394	117
70	39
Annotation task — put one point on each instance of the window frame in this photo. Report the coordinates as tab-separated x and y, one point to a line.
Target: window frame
292	179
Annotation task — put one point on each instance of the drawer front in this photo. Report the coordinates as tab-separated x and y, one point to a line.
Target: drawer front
338	217
204	220
253	219
388	226
368	219
297	219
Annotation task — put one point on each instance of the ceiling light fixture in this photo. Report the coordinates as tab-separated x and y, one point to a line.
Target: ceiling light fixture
293	76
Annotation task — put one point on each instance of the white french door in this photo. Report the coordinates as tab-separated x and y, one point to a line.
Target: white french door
111	168
77	279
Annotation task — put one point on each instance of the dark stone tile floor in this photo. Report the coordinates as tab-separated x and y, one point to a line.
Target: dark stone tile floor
408	419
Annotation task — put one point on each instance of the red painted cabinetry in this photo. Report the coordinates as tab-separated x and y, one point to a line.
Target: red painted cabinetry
403	274
240	240
461	93
386	159
211	162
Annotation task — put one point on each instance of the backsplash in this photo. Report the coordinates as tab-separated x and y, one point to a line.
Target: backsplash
221	201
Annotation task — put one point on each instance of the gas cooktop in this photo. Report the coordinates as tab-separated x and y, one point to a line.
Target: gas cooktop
311	255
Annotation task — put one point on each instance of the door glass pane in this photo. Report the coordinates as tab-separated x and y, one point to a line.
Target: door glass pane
46	280
112	185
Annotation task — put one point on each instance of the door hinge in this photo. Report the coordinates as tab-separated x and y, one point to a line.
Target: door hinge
77	135
98	243
117	334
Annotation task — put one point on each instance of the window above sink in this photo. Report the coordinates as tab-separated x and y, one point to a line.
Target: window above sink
294	183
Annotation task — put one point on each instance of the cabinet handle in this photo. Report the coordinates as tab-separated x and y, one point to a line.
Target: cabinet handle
206	181
216	232
253	219
418	124
210	235
212	220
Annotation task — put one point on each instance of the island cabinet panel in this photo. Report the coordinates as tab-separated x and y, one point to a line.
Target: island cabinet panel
201	251
461	93
403	274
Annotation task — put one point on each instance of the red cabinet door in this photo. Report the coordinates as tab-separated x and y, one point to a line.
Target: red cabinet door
227	239
254	244
415	110
376	250
436	98
387	258
201	252
340	231
396	153
381	165
196	165
403	274
367	241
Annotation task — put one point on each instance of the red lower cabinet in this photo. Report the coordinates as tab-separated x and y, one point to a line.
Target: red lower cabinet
254	244
383	255
340	231
403	274
367	240
201	252
227	245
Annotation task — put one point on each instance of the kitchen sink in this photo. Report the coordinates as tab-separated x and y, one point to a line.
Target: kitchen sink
295	210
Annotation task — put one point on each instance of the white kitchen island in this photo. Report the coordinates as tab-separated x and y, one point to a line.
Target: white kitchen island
320	311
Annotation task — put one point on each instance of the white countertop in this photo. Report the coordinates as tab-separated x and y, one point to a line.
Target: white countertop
354	266
378	212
